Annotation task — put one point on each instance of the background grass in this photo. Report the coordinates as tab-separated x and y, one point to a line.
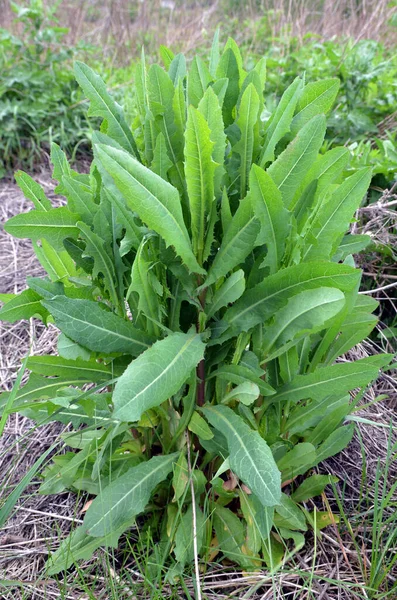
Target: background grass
354	40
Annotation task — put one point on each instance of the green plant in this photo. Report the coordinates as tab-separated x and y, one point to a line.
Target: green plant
381	155
38	93
203	284
366	70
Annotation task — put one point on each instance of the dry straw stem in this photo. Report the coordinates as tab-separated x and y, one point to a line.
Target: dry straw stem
379	220
319	570
196	559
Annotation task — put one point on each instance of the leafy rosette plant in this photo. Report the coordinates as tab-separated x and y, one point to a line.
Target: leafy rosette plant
202	282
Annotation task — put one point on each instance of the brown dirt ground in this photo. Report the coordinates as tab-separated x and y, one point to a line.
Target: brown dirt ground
40	522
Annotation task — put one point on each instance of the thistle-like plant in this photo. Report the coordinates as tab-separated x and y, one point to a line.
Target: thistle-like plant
202	281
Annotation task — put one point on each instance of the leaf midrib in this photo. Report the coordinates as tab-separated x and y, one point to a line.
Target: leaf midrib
269	145
340	203
252	306
39	200
163	372
297	315
41	225
214	307
108	331
151	195
130	491
105	259
364	369
232	535
105	105
72	414
69	367
273	245
54	383
197	143
301	156
248	141
326	91
3	310
225	249
229	425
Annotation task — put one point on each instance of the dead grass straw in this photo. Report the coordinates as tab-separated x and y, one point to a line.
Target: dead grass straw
121	27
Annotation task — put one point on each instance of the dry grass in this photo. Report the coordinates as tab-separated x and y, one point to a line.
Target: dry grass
379	220
120	27
327	569
329	18
25	540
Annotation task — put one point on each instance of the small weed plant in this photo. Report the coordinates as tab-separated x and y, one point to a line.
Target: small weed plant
202	280
366	70
39	98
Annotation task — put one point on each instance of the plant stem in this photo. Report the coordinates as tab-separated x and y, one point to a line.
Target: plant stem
201	365
201	384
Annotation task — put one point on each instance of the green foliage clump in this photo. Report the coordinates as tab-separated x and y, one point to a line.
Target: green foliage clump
381	155
39	97
363	117
202	281
366	70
